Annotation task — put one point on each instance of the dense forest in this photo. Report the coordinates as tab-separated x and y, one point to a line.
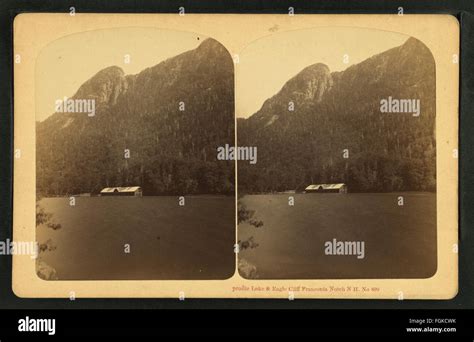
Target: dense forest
337	132
171	118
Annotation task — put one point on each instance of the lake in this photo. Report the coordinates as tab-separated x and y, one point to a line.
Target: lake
167	241
195	241
400	241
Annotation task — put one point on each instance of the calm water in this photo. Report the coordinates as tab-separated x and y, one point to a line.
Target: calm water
166	241
400	241
196	241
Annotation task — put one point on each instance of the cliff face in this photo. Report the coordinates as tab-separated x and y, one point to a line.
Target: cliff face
171	118
339	111
104	87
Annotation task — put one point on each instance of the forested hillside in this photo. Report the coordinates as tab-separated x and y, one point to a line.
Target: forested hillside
340	112
172	151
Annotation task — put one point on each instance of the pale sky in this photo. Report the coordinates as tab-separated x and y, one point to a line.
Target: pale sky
65	64
266	64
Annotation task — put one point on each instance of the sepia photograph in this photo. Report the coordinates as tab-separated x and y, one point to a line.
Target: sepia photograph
165	157
345	183
127	181
235	156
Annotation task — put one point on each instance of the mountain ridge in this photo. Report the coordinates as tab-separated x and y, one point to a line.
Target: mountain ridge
390	152
165	116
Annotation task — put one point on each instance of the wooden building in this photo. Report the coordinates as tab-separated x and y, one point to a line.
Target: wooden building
340	188
122	191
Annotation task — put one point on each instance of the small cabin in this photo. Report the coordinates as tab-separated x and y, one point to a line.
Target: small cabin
339	188
122	191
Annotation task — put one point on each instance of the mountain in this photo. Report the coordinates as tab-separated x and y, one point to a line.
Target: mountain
171	150
337	132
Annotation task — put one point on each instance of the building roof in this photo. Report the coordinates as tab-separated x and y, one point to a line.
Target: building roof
325	186
121	189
